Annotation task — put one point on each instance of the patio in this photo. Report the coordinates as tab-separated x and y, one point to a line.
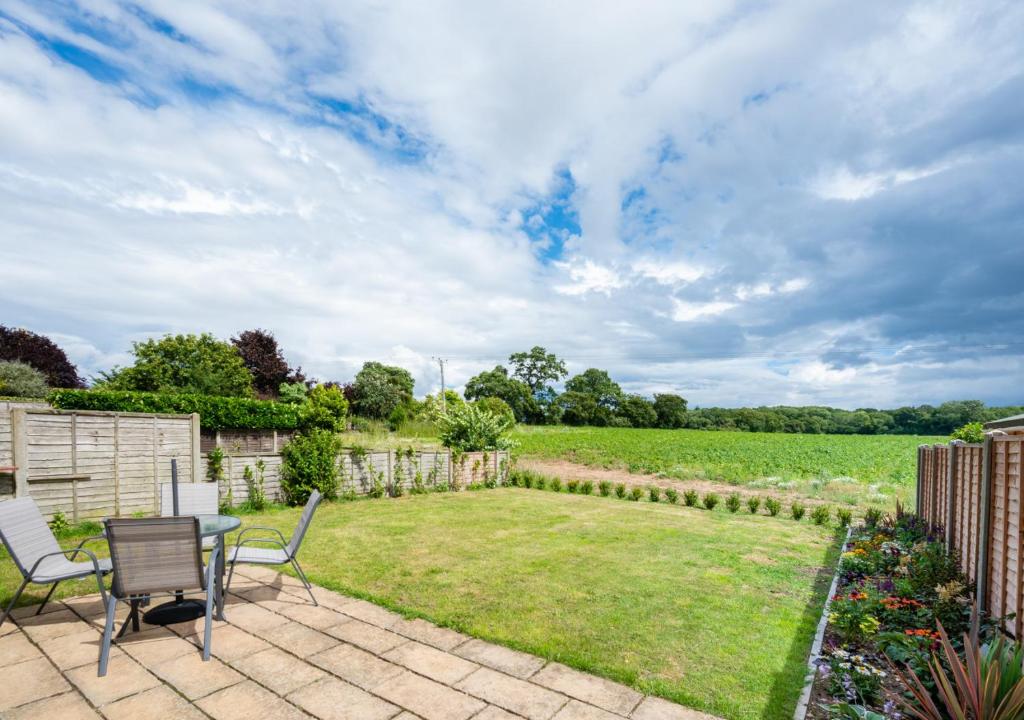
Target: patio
277	656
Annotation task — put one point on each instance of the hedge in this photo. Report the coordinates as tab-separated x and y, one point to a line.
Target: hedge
215	413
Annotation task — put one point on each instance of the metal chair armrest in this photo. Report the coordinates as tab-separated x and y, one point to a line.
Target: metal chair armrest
275	541
101	536
277	532
74	551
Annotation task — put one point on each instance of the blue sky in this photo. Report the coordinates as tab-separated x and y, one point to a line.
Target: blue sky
746	203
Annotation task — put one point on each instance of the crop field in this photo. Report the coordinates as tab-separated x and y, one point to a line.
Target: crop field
853	469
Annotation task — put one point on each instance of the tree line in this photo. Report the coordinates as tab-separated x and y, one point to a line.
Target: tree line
252	365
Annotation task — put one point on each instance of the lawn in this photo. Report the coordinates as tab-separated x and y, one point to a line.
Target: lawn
712	610
854	469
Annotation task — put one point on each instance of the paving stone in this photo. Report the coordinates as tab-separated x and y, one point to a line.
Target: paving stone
370	613
69	706
369	637
429	634
76	649
605	694
493	712
246	701
428	699
575	710
160	702
124	677
409	716
27	611
252	617
319	618
435	664
333	699
501	658
51	625
195	678
15	648
154	646
262	593
230	643
278	671
653	708
518	696
299	639
29	681
357	666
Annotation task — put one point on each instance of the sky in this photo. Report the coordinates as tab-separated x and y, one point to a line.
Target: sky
743	202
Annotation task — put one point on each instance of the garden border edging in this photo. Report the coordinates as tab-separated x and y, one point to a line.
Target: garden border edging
819	636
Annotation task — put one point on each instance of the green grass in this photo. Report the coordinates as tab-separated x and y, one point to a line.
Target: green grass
713	610
851	469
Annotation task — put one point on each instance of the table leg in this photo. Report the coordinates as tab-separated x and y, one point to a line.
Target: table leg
219	575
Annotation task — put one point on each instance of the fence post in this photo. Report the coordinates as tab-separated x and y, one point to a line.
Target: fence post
74	467
19	450
117	465
951	492
196	445
984	520
918	501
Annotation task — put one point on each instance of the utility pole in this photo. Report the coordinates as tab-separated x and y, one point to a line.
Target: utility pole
440	365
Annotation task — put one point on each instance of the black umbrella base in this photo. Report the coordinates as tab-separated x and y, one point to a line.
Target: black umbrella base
175	611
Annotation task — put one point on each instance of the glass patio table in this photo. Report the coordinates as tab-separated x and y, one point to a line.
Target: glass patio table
182	610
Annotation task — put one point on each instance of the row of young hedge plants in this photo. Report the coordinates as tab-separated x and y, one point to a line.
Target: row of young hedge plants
215	412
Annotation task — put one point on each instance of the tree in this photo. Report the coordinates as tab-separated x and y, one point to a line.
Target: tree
579	408
199	364
638	410
18	379
670	409
470	428
497	383
17	345
496	406
379	389
598	385
264	359
537	367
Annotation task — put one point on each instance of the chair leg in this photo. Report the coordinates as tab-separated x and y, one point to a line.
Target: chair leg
208	630
47	598
231	573
10	605
108	632
302	576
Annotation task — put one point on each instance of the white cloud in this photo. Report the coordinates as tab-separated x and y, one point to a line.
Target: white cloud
668	272
683	311
844	184
587	276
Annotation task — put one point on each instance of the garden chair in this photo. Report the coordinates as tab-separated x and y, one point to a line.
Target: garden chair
152	556
38	556
285	552
193	499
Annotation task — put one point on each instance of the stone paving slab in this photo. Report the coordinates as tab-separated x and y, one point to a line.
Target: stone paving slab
278	656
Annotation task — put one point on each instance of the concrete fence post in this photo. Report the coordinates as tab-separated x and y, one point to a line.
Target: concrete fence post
984	521
19	450
196	445
951	492
919	492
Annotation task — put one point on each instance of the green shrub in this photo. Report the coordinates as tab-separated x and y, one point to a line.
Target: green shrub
772	506
215	412
18	379
690	498
620	490
469	428
710	500
540	482
556	484
257	500
732	503
844	517
572	485
753	505
797	510
654	493
310	462
973	432
605	488
635	493
872	516
821	514
59	523
587	487
671	495
325	407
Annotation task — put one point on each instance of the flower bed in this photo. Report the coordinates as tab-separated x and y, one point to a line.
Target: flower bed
896	585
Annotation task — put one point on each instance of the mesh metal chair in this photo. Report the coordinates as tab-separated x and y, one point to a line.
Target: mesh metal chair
37	554
193	499
153	556
283	553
